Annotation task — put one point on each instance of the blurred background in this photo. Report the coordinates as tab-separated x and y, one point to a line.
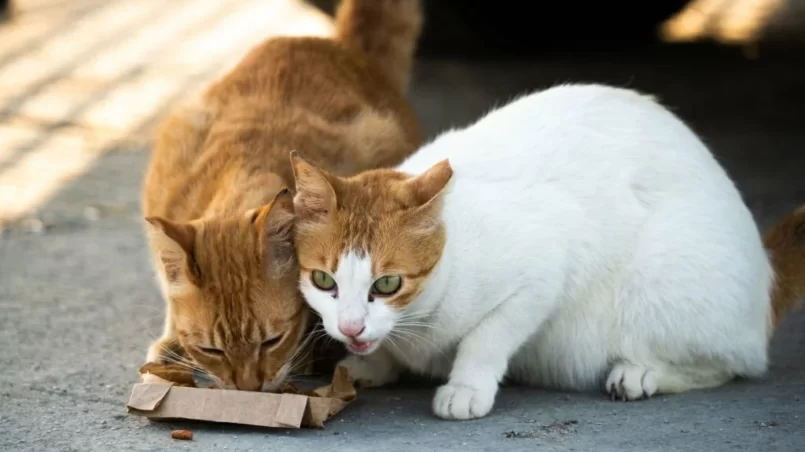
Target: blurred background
83	82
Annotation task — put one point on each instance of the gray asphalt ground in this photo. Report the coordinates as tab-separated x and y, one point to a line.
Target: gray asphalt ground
78	304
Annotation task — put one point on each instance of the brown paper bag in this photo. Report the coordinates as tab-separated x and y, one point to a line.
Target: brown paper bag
178	398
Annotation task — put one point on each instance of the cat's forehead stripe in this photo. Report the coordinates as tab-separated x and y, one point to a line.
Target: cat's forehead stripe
353	263
354	276
218	332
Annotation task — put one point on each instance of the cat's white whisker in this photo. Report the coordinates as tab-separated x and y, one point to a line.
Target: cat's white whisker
416	315
390	341
414	325
416	347
418	338
185	364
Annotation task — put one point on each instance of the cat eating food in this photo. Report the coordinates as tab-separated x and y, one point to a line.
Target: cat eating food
218	215
581	237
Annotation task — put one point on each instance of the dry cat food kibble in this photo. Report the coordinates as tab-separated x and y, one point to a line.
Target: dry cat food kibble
182	434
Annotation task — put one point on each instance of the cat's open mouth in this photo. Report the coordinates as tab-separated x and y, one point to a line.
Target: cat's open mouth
360	347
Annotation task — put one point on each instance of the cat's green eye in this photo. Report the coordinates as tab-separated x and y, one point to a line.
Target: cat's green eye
322	280
387	285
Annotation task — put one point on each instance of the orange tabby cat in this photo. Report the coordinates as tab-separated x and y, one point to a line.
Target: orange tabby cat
219	216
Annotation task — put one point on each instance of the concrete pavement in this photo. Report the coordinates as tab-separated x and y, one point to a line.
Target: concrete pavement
78	304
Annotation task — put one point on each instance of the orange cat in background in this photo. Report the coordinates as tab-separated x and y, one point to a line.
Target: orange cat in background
219	216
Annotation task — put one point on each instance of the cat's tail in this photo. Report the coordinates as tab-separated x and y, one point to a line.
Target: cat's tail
785	243
386	30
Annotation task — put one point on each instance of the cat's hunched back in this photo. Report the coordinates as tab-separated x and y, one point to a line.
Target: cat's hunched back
622	212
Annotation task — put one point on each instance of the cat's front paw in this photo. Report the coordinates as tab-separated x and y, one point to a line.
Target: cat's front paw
367	371
460	402
630	382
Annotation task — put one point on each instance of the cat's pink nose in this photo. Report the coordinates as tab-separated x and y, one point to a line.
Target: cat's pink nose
351	328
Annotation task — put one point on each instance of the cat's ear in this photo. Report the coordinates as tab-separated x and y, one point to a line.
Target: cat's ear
174	243
315	197
274	224
428	185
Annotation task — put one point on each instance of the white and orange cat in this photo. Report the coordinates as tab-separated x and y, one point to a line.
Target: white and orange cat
219	216
579	237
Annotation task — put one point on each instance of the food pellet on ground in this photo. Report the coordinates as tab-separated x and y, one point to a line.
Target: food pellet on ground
182	434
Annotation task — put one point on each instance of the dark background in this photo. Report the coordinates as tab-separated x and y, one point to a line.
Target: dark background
746	99
506	28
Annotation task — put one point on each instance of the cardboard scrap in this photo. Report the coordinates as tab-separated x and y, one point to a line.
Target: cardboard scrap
160	398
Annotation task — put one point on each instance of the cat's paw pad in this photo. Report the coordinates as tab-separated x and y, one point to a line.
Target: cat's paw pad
460	402
365	373
630	382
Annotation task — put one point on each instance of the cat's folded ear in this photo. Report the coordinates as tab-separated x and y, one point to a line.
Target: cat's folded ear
427	186
174	243
274	224
315	197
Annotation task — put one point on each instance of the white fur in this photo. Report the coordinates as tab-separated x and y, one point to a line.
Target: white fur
592	241
353	278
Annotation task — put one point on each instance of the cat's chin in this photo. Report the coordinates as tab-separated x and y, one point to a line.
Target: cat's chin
362	347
